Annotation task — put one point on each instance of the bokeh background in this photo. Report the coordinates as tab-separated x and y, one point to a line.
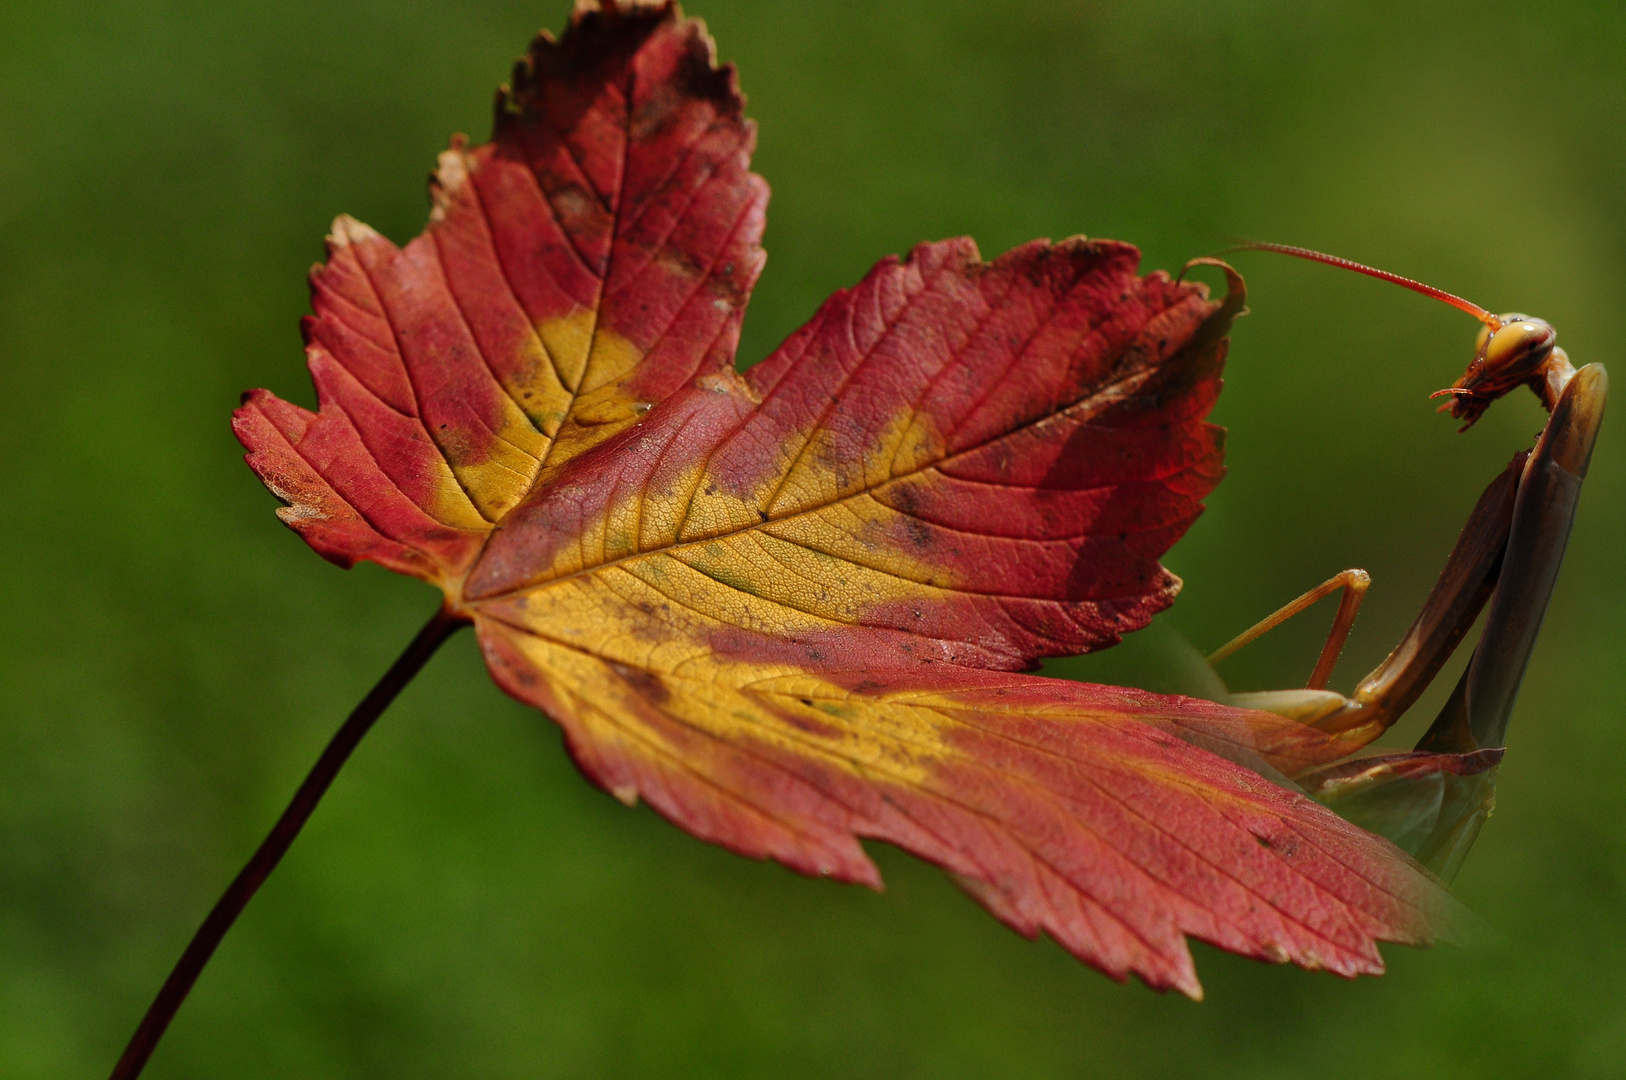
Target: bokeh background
464	905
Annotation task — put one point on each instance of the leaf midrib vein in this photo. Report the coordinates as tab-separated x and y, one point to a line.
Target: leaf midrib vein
1140	375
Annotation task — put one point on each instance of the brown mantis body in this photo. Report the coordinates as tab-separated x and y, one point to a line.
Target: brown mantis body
1432	800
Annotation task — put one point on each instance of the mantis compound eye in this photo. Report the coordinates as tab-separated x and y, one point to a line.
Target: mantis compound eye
1514	353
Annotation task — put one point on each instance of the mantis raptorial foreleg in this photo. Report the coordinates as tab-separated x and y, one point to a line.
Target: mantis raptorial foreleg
1458	596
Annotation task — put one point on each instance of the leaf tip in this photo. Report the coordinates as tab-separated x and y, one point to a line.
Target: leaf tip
450	175
346	231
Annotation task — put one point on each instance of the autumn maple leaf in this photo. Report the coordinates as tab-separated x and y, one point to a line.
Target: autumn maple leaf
787	608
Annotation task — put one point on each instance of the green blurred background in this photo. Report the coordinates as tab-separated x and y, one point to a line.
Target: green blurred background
464	905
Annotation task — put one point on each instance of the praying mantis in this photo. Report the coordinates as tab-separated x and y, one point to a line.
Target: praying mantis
1432	800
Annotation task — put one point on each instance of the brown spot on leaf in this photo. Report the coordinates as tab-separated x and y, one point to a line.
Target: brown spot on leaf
645	683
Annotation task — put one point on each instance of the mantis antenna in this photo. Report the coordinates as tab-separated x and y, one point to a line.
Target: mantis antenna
1492	321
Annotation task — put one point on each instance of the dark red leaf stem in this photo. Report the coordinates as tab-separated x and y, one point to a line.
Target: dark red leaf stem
248	881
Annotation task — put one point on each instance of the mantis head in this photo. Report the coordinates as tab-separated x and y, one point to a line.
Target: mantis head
1512	350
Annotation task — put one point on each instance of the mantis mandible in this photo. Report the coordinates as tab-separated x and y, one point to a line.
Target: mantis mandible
1432	800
